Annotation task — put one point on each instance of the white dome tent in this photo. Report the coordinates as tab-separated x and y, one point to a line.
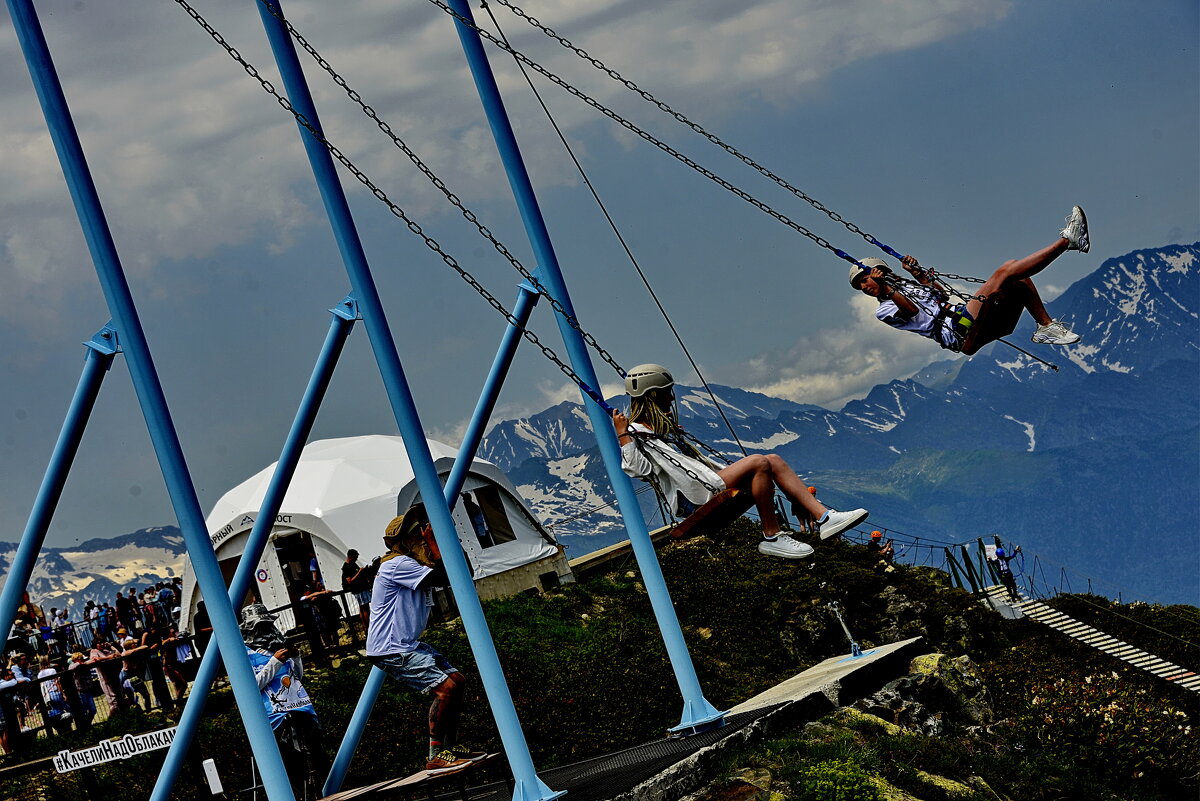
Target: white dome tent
342	496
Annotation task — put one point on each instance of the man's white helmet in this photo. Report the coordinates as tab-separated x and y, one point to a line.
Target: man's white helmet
858	273
645	377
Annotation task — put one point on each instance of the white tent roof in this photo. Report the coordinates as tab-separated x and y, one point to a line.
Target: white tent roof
355	485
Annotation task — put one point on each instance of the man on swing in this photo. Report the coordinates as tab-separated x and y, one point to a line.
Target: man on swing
653	448
924	308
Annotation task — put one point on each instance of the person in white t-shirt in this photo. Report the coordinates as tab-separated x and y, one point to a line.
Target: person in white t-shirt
400	602
925	308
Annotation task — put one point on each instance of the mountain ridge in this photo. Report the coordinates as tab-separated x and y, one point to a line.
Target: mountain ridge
1105	425
1079	465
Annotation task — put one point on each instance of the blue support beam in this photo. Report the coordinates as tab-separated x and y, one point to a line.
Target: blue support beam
526	300
698	713
100	353
344	316
527	786
149	393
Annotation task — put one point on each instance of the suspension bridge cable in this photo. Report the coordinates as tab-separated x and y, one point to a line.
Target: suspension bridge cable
1083	599
616	231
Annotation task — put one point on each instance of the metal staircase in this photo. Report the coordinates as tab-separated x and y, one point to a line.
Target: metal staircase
997	597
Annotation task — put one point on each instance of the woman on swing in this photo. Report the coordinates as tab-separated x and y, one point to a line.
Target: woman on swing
653	448
993	314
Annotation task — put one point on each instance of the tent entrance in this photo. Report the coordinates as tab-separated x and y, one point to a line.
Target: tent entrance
228	568
296	556
485	509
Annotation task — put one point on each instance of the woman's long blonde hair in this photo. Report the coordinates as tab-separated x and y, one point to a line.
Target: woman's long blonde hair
647	409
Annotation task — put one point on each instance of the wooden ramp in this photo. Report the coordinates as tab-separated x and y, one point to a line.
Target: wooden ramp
1033	609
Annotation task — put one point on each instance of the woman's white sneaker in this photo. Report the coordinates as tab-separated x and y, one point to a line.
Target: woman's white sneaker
836	522
785	547
1054	333
1076	232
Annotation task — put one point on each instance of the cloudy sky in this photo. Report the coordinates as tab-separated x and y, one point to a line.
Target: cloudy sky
957	130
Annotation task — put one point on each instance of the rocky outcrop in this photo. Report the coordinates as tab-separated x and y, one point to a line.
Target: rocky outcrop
939	695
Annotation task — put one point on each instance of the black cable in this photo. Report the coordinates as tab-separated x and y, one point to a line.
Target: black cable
612	224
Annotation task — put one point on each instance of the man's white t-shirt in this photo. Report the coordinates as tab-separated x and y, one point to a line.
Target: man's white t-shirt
924	321
399	611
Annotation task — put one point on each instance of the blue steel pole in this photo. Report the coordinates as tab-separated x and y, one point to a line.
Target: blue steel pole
697	712
526	300
99	359
527	786
149	392
339	329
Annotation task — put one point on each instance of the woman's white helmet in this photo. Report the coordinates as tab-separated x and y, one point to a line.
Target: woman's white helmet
857	273
645	377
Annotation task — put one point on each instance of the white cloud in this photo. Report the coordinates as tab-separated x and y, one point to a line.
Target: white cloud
189	155
839	364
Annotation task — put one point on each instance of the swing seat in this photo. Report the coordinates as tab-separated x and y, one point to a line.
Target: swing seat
721	510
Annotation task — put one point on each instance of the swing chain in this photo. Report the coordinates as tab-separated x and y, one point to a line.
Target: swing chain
694	126
938	273
396	211
640	436
661	145
441	186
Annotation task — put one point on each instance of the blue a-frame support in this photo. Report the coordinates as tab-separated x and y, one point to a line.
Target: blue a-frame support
100	353
344	316
698	713
527	785
149	393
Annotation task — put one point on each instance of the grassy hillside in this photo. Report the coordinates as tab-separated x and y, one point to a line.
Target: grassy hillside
588	673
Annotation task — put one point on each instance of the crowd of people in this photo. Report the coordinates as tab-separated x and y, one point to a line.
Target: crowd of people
124	654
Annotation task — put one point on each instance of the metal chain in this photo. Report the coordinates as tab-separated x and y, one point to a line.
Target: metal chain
711	137
640	436
692	438
450	196
648	137
398	212
939	286
716	140
953	277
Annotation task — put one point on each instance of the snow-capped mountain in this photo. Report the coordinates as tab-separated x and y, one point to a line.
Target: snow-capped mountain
96	569
1080	464
1093	467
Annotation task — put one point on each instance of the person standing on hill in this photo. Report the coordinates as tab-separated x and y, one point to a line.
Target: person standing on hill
358	580
1004	569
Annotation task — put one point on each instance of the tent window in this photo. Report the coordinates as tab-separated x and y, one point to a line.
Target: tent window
485	508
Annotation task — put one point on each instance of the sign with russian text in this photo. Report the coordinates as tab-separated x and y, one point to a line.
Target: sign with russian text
130	745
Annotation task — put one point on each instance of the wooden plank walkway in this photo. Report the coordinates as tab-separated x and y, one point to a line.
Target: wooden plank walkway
1048	616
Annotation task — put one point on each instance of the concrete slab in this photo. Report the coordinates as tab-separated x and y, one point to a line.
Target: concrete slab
832	676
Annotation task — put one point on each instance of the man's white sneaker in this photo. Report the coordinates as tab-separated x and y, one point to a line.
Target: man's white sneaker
1076	232
785	547
837	522
1054	334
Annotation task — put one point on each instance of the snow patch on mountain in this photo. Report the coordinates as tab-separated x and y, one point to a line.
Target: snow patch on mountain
96	569
772	442
1029	431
